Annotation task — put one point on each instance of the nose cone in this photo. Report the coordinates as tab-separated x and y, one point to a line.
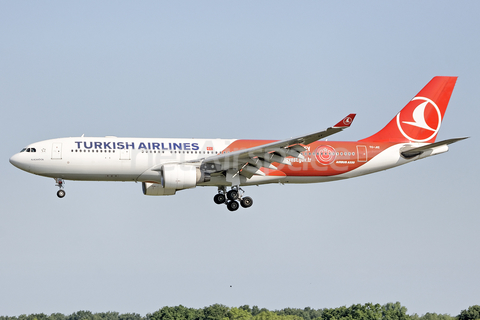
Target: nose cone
16	160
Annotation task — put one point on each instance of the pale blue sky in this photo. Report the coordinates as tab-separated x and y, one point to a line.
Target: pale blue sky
245	69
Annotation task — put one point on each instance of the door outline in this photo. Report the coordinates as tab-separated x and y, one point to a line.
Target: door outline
362	155
56	151
125	154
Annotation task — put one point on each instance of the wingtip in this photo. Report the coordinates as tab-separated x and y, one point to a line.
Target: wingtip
345	122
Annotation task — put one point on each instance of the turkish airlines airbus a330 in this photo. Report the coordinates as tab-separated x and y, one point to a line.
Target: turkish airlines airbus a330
164	166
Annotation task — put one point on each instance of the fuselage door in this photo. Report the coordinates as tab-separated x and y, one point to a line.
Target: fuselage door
362	154
125	154
56	151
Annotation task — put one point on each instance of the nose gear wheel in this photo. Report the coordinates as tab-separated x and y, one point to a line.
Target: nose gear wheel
59	184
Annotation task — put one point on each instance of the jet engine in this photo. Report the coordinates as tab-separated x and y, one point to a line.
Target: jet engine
156	189
175	176
183	176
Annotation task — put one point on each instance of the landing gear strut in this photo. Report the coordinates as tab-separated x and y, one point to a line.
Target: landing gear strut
60	183
231	198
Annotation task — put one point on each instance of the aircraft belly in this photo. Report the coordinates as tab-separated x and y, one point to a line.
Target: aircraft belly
89	168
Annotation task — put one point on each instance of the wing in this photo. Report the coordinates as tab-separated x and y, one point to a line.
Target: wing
248	162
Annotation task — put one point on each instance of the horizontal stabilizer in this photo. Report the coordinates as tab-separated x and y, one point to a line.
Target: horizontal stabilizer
417	151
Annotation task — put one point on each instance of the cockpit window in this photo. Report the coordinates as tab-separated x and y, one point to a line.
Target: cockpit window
23	150
33	150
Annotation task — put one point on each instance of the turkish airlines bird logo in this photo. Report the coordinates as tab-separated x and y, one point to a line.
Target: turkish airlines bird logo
419	117
420	120
347	121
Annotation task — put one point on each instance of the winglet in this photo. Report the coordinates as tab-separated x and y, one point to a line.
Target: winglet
345	122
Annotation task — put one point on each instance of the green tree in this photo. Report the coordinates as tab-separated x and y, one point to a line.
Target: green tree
256	310
306	313
472	313
395	311
57	316
269	315
81	315
105	316
130	316
246	308
174	313
215	312
238	314
369	311
432	316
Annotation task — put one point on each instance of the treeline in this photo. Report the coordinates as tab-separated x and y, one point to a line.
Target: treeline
368	311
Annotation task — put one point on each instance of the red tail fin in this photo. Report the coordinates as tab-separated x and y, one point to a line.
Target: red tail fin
420	119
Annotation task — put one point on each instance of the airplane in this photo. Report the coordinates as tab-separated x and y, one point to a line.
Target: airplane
165	166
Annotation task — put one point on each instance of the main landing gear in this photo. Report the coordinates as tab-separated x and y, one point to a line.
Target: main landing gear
230	198
60	183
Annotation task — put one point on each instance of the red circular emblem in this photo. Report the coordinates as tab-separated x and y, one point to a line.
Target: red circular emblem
325	154
420	120
347	121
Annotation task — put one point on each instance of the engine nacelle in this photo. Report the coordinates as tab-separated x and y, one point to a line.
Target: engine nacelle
156	189
183	176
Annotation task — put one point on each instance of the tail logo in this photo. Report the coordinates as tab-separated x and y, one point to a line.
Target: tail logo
420	121
325	154
347	121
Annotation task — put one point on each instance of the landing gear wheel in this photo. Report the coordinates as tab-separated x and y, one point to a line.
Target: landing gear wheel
232	195
232	205
60	193
246	202
219	198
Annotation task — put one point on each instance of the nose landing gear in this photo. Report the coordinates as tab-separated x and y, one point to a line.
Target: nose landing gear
60	183
231	198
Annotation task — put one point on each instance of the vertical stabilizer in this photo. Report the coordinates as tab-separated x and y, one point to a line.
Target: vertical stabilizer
420	119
